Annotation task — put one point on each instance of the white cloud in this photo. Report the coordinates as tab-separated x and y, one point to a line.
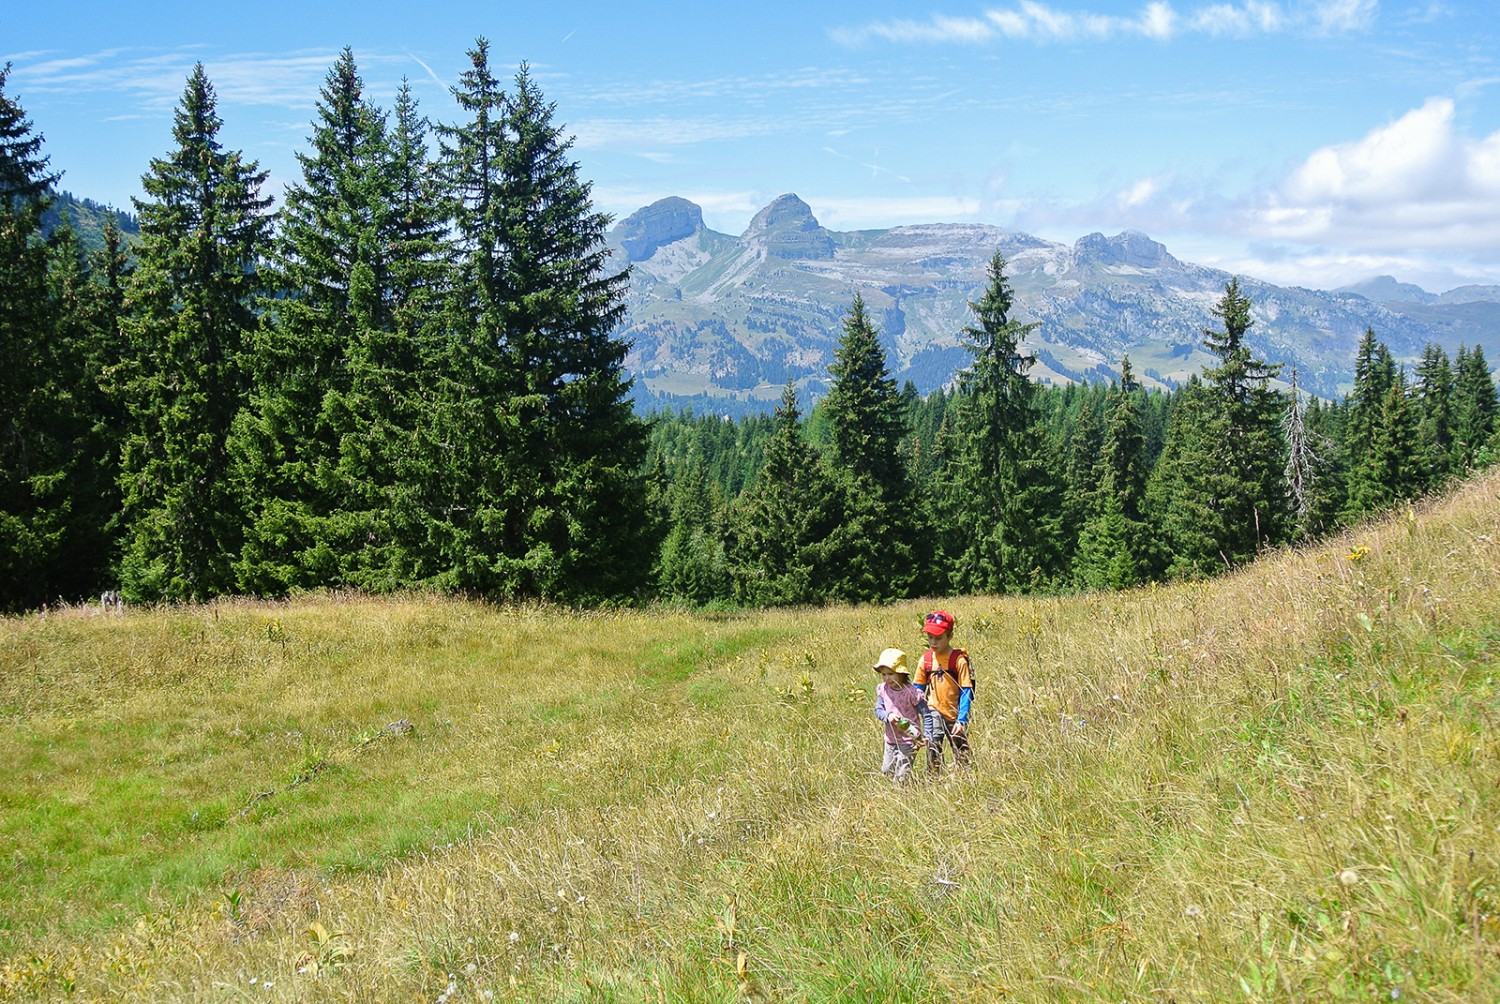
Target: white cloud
1416	183
1032	21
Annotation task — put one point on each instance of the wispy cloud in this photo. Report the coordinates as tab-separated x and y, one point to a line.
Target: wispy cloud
1032	21
155	79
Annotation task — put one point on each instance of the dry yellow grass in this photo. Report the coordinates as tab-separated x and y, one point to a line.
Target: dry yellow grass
1277	786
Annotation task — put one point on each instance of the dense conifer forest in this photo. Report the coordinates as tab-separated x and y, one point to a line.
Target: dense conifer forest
408	376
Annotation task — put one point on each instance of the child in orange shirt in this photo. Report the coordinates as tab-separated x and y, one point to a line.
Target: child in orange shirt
944	676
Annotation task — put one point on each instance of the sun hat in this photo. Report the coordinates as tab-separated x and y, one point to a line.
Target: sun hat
939	622
892	659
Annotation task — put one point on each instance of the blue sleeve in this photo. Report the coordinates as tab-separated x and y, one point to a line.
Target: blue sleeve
881	712
965	698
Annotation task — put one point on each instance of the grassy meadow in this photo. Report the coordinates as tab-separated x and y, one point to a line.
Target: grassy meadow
1283	785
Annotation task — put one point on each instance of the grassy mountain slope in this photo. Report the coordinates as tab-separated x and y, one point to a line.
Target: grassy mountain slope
87	218
1276	786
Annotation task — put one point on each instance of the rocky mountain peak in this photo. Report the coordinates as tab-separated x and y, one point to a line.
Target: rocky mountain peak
787	229
662	222
1131	248
1385	289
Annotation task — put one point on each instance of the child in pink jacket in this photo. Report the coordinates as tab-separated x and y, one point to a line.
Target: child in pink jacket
903	709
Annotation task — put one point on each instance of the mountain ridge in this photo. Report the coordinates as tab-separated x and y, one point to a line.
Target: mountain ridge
726	320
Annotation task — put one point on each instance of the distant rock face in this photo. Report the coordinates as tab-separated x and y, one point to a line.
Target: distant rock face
662	222
1129	248
720	321
787	229
1471	294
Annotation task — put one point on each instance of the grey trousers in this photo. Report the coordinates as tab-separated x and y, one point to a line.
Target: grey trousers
898	761
939	730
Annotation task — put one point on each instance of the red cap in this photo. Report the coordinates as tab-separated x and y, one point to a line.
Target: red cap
938	622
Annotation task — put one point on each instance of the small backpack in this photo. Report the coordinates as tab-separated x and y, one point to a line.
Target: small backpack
953	654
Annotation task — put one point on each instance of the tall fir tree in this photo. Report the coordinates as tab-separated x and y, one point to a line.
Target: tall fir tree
1249	455
941	503
1080	485
1476	411
1181	492
867	424
1374	373
787	521
288	441
203	225
548	455
1373	478
33	456
1432	393
85	423
384	457
694	564
1391	467
1114	543
1010	519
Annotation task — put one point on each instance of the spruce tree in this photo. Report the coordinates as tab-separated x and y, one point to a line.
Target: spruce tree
385	457
1475	407
788	521
1432	393
288	441
193	296
1010	517
1182	493
84	422
1370	473
548	456
1390	468
33	459
1248	457
1374	373
867	424
693	566
1080	485
1114	543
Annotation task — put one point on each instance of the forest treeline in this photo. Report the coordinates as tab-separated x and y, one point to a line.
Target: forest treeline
409	376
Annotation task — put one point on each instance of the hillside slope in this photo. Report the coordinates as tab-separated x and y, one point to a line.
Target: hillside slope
1275	786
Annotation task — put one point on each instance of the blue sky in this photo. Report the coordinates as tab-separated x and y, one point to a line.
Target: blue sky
1308	142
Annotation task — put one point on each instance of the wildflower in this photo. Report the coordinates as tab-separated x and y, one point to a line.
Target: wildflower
1193	910
1358	553
1348	877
